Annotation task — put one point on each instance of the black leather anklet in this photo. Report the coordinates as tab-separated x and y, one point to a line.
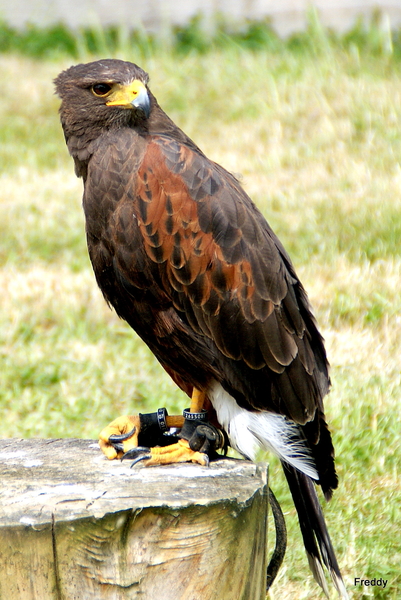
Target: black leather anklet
201	435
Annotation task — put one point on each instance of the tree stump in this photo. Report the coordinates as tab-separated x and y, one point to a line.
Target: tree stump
74	525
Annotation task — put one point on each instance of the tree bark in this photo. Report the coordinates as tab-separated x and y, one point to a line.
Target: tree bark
74	525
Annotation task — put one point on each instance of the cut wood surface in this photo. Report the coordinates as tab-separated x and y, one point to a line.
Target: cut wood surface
75	525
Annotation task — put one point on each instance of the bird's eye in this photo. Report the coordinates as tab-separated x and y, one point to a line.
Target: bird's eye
101	89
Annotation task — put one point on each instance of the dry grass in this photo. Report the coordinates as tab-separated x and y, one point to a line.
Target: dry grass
316	142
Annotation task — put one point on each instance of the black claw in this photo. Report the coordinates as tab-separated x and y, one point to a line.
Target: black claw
134	451
139	453
118	447
139	458
115	439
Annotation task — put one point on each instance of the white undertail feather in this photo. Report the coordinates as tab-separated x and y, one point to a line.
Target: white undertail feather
340	587
318	573
250	431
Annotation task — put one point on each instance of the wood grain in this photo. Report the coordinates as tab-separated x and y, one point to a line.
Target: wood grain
74	525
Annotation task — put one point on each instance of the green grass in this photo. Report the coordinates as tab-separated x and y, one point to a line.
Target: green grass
312	125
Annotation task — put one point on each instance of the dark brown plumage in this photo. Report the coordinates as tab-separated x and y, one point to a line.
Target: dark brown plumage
184	256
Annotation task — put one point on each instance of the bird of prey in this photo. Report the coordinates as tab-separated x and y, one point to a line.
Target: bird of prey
184	256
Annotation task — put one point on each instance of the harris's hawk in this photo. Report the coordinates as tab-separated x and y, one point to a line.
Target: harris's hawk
185	257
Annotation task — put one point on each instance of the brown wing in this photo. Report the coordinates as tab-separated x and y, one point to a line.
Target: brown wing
227	276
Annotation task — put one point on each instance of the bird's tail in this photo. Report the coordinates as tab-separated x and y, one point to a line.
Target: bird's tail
316	538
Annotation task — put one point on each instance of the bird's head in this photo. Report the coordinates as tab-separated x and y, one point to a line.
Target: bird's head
100	96
100	87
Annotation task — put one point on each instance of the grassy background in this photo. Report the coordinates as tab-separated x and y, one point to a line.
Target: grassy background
312	125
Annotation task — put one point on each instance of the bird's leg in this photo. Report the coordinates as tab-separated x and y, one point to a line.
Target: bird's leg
127	432
197	440
197	401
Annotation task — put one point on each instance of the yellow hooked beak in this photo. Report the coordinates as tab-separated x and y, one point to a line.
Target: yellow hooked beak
131	95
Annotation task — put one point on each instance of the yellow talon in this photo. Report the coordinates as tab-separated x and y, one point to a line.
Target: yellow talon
119	426
168	455
175	453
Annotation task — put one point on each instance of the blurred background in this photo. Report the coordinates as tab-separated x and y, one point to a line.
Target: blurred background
302	101
285	17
